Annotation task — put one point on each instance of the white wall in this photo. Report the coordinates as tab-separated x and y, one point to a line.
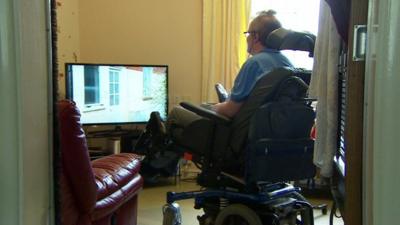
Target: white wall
24	132
9	146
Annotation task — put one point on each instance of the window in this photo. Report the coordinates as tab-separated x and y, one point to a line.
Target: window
295	15
147	71
92	85
114	86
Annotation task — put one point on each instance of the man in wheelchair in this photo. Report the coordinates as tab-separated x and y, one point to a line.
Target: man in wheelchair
250	145
264	60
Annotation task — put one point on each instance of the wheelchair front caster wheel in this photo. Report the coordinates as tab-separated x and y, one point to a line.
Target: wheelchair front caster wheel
172	214
237	214
143	142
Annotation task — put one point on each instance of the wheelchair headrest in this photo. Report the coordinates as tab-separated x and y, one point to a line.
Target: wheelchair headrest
284	39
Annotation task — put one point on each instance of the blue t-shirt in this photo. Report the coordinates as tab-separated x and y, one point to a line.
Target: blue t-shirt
253	69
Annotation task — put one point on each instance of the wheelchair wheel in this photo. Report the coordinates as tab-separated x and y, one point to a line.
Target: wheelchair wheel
237	214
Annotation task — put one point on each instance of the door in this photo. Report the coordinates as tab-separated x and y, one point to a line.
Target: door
354	121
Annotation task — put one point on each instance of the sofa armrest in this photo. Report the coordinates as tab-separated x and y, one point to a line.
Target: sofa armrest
118	180
114	171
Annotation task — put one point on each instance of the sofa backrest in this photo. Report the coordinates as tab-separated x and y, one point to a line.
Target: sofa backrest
75	161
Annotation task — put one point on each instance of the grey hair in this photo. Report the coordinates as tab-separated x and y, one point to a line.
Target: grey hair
270	12
265	23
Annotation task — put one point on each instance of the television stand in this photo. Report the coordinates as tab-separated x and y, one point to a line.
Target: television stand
117	132
103	140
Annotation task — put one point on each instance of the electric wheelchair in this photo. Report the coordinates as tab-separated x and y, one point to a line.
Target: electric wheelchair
246	162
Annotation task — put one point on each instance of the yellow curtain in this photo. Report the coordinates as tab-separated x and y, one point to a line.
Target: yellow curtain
224	45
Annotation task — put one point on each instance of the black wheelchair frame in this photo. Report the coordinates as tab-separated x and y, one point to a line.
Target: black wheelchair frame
264	200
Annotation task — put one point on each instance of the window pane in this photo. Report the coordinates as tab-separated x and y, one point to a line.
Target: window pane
147	71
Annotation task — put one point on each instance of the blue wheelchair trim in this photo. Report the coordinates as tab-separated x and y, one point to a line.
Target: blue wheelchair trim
269	193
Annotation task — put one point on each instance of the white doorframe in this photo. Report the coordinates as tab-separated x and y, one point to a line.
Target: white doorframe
382	124
25	130
9	118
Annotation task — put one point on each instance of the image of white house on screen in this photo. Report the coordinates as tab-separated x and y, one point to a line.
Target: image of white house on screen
119	94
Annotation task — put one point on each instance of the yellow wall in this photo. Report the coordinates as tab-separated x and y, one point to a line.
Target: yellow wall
144	32
68	46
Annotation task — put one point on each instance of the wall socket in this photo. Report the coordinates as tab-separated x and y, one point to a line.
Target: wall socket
180	98
186	98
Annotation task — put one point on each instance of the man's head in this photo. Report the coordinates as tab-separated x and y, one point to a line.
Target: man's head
259	29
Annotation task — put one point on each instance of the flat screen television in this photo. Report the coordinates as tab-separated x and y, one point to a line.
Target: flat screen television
115	94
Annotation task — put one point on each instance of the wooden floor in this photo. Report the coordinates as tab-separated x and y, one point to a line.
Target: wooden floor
153	197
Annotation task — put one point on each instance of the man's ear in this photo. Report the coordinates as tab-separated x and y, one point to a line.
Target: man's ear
256	38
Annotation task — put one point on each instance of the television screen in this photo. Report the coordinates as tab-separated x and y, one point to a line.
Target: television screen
117	94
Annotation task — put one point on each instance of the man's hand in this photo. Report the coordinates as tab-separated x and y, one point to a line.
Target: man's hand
228	108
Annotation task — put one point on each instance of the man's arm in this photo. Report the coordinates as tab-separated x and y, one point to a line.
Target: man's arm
228	108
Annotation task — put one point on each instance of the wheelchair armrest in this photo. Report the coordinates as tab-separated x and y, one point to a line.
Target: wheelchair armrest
206	113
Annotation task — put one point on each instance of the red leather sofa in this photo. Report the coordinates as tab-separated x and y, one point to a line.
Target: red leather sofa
101	192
